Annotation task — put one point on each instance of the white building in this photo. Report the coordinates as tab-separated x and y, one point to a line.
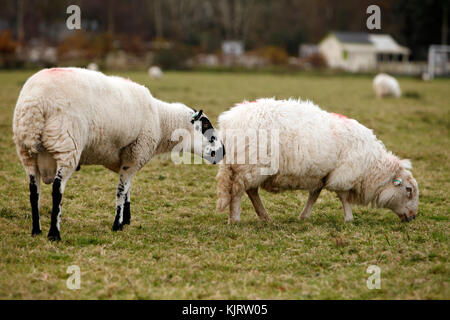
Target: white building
233	47
306	50
359	51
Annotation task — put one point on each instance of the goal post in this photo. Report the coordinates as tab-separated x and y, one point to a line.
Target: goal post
438	64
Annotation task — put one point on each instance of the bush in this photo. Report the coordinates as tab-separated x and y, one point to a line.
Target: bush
174	57
316	60
75	46
7	44
133	44
85	46
275	55
8	51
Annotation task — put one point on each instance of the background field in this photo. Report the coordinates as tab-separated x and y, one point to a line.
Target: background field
178	247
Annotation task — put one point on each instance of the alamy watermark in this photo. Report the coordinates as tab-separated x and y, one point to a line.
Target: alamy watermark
74	20
74	281
374	281
374	20
247	146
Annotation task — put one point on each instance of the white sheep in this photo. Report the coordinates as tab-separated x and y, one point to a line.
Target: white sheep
67	117
316	150
92	66
155	72
386	86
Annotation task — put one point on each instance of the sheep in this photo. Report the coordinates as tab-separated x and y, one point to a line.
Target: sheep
386	86
155	72
92	66
316	150
67	117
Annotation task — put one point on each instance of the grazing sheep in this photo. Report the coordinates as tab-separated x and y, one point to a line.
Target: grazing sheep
317	150
426	76
92	66
155	72
67	117
386	86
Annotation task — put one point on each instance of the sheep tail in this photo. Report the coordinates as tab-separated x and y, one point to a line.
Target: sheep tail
28	126
224	187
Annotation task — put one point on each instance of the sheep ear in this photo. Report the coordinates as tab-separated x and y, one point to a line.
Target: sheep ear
405	164
397	182
196	116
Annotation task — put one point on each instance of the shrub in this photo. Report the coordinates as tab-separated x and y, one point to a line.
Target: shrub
8	51
275	55
316	60
174	57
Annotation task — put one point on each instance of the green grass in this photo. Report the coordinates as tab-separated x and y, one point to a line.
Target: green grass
178	247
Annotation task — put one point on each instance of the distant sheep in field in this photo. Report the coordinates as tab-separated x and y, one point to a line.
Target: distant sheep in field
92	66
317	150
67	117
386	86
155	72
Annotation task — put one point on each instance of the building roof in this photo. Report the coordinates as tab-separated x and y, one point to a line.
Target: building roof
385	43
380	43
352	37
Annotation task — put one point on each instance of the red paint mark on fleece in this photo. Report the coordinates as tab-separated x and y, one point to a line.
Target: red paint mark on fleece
57	70
247	102
340	116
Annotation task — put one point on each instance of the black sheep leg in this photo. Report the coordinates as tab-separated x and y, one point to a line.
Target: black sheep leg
62	176
126	209
122	205
34	201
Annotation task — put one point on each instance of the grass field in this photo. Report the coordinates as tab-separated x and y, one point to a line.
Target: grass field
178	247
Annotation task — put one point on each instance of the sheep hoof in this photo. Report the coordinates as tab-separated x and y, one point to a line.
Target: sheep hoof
234	221
36	232
266	219
53	236
348	220
117	227
302	217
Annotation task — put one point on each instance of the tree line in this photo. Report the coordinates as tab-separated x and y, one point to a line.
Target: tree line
205	23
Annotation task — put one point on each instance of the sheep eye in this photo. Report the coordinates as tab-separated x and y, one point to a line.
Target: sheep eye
409	191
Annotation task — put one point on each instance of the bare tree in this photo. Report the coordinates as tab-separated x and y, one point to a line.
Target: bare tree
235	17
111	17
444	22
20	28
158	18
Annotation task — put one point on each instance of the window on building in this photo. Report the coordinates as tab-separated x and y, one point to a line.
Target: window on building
344	54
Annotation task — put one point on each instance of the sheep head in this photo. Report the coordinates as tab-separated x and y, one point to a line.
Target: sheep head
213	149
401	195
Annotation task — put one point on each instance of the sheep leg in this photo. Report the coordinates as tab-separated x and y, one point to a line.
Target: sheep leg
122	190
35	190
62	176
126	208
312	198
257	204
348	216
235	208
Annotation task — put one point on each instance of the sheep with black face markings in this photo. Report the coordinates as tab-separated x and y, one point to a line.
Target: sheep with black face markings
317	150
65	117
